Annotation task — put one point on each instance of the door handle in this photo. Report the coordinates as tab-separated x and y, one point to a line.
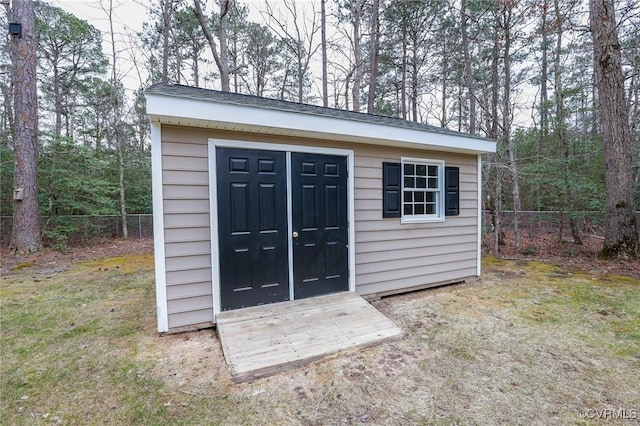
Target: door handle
295	234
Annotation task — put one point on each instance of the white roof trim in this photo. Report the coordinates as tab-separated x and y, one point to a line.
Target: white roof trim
168	109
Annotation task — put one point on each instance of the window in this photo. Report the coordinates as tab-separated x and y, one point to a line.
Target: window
419	190
422	188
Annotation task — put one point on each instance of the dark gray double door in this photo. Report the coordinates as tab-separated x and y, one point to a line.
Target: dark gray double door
254	212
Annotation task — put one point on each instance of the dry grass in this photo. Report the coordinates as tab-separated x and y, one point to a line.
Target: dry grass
529	344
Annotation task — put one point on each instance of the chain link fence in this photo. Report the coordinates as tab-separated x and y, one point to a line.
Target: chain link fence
533	222
83	229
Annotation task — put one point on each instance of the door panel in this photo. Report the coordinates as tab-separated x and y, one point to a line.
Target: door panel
252	227
319	216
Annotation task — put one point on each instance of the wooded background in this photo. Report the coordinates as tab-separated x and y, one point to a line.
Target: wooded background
517	71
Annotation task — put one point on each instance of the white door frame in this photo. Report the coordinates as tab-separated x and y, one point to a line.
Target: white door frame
288	149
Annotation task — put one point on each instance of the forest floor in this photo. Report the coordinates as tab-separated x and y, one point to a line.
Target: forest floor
542	246
530	343
546	246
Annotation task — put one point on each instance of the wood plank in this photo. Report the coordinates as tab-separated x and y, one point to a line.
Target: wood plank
264	340
275	309
291	329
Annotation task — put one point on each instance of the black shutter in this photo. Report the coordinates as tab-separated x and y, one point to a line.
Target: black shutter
391	190
452	191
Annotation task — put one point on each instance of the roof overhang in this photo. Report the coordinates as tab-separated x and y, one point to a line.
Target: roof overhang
181	111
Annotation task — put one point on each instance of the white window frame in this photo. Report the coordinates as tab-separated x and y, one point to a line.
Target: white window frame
439	215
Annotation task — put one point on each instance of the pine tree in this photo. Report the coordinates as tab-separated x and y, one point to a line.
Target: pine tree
621	232
25	237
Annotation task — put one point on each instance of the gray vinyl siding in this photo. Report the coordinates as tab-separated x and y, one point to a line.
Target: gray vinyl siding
187	231
390	256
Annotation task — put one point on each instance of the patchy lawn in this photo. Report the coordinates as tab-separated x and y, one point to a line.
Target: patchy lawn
530	343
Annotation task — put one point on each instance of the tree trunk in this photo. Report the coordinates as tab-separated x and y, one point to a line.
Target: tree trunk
414	86
373	57
123	203
497	216
445	77
25	236
117	123
346	91
323	29
167	13
493	134
544	76
196	67
403	76
506	123
621	232
357	54
495	57
300	76
460	102
234	65
57	101
225	5
464	29
561	133
222	61
544	97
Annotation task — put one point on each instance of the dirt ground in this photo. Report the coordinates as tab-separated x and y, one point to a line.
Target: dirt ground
473	353
545	246
530	343
49	258
542	246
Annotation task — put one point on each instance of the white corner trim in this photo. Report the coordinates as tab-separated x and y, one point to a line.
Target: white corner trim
479	248
352	219
158	228
213	227
191	112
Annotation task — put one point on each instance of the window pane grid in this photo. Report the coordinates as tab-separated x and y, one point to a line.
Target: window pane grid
421	190
420	202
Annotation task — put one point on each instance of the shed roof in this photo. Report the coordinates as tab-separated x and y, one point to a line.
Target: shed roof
191	106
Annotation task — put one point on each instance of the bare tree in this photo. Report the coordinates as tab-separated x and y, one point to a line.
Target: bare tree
116	125
507	36
323	33
561	115
356	22
25	236
167	14
544	75
468	70
341	65
621	231
222	57
373	56
297	33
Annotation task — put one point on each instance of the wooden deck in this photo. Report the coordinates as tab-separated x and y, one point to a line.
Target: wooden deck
264	340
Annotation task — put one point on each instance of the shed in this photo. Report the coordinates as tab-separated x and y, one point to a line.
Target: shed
258	201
